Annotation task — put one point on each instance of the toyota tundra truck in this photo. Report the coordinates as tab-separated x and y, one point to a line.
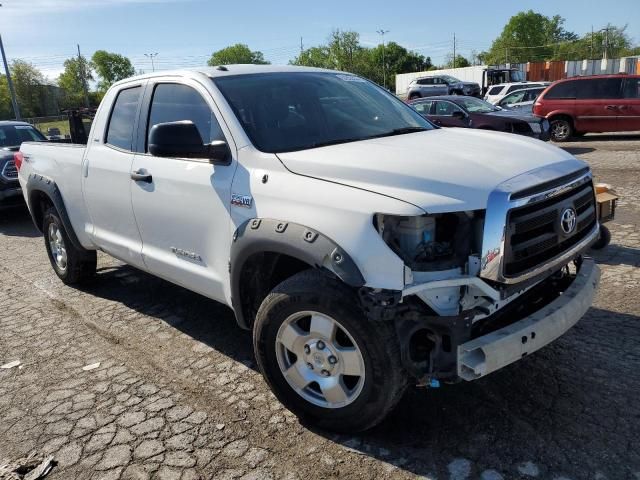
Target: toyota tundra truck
366	249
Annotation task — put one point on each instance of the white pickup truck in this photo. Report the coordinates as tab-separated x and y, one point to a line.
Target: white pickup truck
366	248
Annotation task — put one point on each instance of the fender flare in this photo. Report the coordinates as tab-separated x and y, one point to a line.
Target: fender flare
259	235
40	183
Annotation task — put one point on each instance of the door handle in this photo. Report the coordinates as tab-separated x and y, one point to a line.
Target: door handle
611	107
141	176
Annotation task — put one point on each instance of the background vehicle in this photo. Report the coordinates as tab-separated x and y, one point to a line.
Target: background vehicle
520	99
441	85
599	103
12	134
498	92
467	112
269	189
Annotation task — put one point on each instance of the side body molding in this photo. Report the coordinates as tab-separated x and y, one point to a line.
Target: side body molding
38	183
262	235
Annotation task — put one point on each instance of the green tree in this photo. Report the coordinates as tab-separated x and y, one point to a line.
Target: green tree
110	68
29	84
238	53
344	52
6	109
528	36
71	81
460	62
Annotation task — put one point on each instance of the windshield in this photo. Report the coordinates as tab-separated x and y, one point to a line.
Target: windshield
475	105
450	79
14	135
283	112
517	76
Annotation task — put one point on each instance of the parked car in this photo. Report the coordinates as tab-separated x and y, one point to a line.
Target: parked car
469	112
12	134
498	92
599	103
520	99
365	248
441	85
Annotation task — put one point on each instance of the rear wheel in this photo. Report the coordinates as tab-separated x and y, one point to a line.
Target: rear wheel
72	265
323	359
561	129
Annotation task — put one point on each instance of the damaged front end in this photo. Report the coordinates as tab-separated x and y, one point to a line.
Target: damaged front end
484	288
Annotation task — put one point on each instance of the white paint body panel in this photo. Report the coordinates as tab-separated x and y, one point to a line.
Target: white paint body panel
335	190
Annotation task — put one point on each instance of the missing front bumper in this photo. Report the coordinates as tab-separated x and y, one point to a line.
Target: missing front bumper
486	354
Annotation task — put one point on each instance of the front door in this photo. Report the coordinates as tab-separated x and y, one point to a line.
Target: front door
448	114
106	177
629	109
182	206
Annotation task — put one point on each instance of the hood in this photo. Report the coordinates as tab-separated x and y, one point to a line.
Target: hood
439	170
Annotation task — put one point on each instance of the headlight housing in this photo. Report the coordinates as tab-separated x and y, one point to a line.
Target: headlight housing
432	242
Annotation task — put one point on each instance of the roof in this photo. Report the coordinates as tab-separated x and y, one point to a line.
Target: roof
10	123
607	75
453	98
226	70
526	82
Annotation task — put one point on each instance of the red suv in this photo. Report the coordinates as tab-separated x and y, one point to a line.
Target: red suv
600	103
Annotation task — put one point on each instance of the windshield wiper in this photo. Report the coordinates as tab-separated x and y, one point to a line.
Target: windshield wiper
400	131
335	142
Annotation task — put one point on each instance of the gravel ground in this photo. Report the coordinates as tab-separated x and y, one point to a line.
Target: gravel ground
176	394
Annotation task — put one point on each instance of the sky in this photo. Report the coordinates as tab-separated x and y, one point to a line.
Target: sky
184	33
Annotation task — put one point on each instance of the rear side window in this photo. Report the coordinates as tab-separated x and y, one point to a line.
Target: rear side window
495	91
446	109
631	88
120	130
566	90
425	81
598	88
173	102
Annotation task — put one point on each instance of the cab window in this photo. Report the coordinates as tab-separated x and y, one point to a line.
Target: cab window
120	129
174	102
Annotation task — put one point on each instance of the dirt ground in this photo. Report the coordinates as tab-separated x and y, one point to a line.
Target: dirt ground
176	394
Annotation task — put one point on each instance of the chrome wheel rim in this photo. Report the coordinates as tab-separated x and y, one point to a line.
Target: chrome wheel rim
320	360
57	247
560	130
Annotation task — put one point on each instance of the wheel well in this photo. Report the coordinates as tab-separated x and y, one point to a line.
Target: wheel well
39	203
260	274
561	117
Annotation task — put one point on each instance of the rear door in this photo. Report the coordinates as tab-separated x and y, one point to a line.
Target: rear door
106	176
629	110
182	209
597	104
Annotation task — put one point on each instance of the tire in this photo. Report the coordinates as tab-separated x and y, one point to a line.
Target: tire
72	265
561	129
603	240
313	298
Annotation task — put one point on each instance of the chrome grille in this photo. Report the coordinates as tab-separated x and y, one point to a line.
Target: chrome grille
9	171
534	234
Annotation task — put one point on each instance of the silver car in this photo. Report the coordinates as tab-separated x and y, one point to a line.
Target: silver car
441	85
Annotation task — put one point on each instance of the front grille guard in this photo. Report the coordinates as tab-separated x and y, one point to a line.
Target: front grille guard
499	204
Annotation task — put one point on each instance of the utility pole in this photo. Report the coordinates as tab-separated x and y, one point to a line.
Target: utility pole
606	42
591	42
454	49
14	99
506	56
151	55
384	64
83	78
301	47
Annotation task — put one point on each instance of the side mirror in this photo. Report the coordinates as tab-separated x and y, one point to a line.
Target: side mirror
460	115
182	139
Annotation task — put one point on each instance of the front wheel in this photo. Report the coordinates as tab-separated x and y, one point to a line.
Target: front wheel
561	129
323	359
